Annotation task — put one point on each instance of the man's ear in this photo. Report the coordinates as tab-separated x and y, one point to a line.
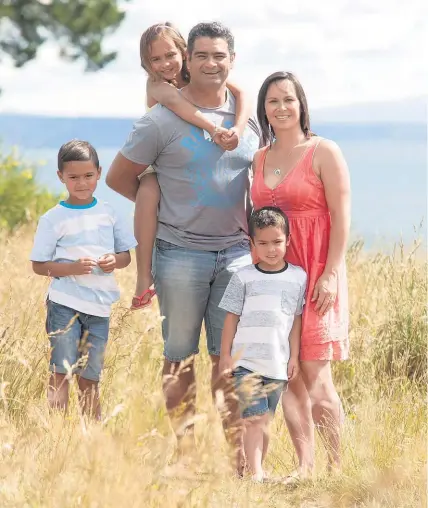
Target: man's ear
232	60
100	170
59	173
288	240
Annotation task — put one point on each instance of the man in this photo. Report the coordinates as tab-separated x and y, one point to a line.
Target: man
202	224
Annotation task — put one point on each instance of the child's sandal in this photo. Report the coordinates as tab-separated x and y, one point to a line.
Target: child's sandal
141	302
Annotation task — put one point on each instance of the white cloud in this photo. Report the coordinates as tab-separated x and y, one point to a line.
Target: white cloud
343	52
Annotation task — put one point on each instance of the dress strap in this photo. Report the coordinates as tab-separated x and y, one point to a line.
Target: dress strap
314	149
261	160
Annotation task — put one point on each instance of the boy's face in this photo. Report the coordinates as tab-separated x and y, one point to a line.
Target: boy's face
80	178
271	245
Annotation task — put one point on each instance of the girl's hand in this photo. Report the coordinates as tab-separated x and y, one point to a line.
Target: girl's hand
227	139
231	139
325	292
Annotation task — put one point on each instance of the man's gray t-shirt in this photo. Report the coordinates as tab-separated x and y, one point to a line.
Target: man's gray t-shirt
204	189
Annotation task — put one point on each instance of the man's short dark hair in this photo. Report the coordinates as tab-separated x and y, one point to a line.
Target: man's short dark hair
76	151
268	216
214	30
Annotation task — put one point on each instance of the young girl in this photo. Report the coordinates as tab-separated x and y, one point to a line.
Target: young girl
163	57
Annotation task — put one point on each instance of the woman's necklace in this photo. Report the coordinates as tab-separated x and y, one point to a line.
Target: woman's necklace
277	171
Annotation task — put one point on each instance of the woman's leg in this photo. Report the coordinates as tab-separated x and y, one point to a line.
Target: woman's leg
297	409
145	226
326	406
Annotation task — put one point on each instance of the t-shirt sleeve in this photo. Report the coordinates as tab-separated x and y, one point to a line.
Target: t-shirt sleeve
302	297
144	143
124	239
45	242
233	297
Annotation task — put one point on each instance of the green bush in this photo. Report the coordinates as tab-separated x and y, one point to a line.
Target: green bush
22	199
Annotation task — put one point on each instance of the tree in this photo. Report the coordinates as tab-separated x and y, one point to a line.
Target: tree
77	26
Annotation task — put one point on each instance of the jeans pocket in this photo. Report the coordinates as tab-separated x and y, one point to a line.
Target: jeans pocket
164	245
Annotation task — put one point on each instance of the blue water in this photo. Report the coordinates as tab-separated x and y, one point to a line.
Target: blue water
387	166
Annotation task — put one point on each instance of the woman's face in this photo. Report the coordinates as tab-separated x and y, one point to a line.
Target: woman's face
166	60
282	105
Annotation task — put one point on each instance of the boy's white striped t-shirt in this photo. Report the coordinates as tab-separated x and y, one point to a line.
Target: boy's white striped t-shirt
267	303
67	233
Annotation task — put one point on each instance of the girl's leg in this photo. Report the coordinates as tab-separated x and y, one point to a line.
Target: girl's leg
58	391
326	406
254	444
297	409
145	226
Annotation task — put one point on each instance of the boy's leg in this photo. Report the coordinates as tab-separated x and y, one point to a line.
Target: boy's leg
182	281
58	391
89	398
93	344
64	330
255	443
145	226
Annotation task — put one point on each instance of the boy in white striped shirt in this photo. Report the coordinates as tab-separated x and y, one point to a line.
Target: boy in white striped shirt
79	243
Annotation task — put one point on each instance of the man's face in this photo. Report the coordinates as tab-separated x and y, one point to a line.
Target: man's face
210	62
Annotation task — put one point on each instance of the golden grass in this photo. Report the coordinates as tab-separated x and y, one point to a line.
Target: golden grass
47	460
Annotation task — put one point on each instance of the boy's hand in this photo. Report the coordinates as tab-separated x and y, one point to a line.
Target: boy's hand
84	266
226	365
107	263
293	368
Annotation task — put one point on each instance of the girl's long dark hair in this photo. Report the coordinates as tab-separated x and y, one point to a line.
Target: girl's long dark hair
268	135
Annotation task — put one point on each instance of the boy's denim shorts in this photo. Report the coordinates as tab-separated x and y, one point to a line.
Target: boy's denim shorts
257	394
80	341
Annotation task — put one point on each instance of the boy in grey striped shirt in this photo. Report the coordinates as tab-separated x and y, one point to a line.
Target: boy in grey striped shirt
261	334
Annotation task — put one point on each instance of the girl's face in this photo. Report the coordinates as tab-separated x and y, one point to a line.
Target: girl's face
166	60
282	105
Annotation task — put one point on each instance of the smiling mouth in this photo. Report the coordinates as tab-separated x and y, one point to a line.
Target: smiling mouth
283	117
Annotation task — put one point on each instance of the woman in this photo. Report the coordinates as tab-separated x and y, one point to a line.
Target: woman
307	177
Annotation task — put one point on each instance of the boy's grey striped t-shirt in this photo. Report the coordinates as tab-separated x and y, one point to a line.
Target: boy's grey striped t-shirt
267	303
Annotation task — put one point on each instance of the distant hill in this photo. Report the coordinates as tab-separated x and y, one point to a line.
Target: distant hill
400	120
411	110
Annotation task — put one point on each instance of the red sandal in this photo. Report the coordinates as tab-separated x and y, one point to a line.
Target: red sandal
137	301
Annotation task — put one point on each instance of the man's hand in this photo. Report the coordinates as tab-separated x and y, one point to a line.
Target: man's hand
84	266
293	368
107	263
226	365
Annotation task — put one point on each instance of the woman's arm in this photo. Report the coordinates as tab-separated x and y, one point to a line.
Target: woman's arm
243	107
333	172
168	95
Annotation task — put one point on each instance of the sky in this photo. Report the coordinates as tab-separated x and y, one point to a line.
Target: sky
343	51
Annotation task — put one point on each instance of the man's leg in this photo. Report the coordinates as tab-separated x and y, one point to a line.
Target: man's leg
182	281
228	262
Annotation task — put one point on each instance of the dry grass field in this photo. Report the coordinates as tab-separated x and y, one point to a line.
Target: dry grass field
50	460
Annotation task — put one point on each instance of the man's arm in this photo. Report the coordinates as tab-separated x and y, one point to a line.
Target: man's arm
122	176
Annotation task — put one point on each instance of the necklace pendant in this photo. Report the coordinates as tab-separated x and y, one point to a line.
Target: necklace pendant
277	172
